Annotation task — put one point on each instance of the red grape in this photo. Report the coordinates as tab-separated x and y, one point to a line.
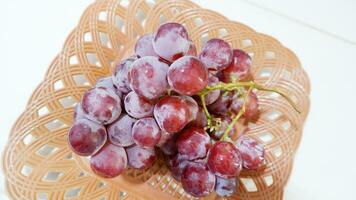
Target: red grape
79	113
252	110
146	132
192	51
148	77
200	121
225	120
107	83
86	137
221	105
239	68
252	152
216	54
251	107
140	158
197	180
109	162
187	76
212	96
137	106
144	46
120	132
193	107
177	165
101	104
171	113
121	75
224	160
225	187
169	145
171	41
193	143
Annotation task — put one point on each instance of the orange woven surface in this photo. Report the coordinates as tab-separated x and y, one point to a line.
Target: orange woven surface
38	163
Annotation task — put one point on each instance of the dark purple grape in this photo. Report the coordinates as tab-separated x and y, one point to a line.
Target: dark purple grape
193	143
212	96
240	67
225	187
120	132
252	152
108	83
140	158
86	137
148	77
102	105
144	46
252	111
221	105
137	106
187	75
216	55
109	162
171	41
121	75
224	160
146	132
197	180
172	113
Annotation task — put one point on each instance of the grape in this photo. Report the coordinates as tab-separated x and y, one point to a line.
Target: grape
144	46
137	106
102	105
239	68
252	110
197	180
109	162
187	76
140	158
225	187
146	132
148	77
200	121
224	160
171	113
107	83
193	107
252	152
216	54
86	137
251	107
177	165
212	96
171	41
120	132
225	120
192	51
193	143
121	75
169	146
221	105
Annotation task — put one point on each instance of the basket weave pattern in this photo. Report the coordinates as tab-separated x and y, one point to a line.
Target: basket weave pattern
38	163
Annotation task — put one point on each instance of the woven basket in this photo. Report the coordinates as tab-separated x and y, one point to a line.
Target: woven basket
38	163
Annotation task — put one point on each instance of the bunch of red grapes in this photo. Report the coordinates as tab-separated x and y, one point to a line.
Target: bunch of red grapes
169	98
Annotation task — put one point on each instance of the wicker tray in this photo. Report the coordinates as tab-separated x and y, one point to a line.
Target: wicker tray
37	161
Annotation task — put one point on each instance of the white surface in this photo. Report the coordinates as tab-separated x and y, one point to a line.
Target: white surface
321	33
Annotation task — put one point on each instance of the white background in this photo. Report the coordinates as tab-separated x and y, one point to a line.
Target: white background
322	34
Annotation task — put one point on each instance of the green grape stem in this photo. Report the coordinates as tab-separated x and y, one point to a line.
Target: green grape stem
237	86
